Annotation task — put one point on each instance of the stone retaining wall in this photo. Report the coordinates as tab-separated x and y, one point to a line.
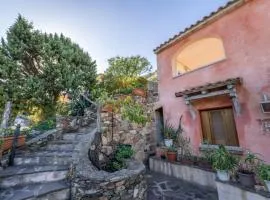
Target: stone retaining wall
117	130
127	184
89	183
141	138
73	123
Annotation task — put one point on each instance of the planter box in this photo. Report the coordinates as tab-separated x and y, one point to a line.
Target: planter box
230	190
184	172
8	142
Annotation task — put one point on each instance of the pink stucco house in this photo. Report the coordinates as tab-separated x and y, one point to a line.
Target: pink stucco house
216	74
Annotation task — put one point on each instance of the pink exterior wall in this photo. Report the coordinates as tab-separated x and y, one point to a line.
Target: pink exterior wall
246	37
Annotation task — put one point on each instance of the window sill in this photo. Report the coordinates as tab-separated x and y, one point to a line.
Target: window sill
198	68
231	149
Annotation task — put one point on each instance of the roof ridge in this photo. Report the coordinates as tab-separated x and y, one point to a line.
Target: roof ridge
212	16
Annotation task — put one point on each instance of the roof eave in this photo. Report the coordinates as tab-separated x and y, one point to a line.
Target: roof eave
200	24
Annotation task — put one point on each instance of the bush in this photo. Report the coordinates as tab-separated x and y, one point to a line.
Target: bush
223	160
134	113
122	153
45	125
264	172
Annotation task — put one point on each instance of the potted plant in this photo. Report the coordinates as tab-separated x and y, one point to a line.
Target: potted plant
223	162
247	168
170	134
264	174
7	139
171	154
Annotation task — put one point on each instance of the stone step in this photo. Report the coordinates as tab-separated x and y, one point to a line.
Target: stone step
44	153
60	142
43	159
59	147
22	175
72	136
45	191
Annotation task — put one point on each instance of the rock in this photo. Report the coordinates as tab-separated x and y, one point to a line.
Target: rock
133	131
119	183
135	193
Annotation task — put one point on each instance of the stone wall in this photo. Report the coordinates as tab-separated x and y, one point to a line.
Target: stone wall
124	184
117	130
89	183
73	123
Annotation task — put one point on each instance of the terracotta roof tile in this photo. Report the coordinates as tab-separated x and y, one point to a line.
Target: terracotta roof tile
208	86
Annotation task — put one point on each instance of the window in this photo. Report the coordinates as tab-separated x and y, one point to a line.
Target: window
218	127
198	54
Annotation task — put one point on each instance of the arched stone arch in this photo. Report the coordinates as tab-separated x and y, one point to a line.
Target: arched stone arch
199	53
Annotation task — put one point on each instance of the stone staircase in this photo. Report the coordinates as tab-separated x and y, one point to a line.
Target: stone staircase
42	174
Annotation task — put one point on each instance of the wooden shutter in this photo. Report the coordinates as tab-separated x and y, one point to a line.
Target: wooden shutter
218	127
206	126
229	124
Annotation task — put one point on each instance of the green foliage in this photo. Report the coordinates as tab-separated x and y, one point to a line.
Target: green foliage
122	153
132	66
223	160
172	149
1	142
36	67
5	132
134	112
169	131
45	125
264	172
249	163
124	74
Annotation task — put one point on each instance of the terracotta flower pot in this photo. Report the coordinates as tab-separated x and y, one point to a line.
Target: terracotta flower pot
7	144
139	92
171	156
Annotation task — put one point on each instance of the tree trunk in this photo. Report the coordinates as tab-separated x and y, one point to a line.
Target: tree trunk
6	114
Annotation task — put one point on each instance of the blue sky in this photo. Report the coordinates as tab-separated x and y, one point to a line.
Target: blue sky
107	28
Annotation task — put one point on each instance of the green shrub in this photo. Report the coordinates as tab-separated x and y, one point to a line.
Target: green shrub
45	125
264	172
223	160
134	113
249	163
122	153
169	131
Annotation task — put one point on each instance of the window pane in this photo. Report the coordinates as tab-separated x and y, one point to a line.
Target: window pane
218	129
